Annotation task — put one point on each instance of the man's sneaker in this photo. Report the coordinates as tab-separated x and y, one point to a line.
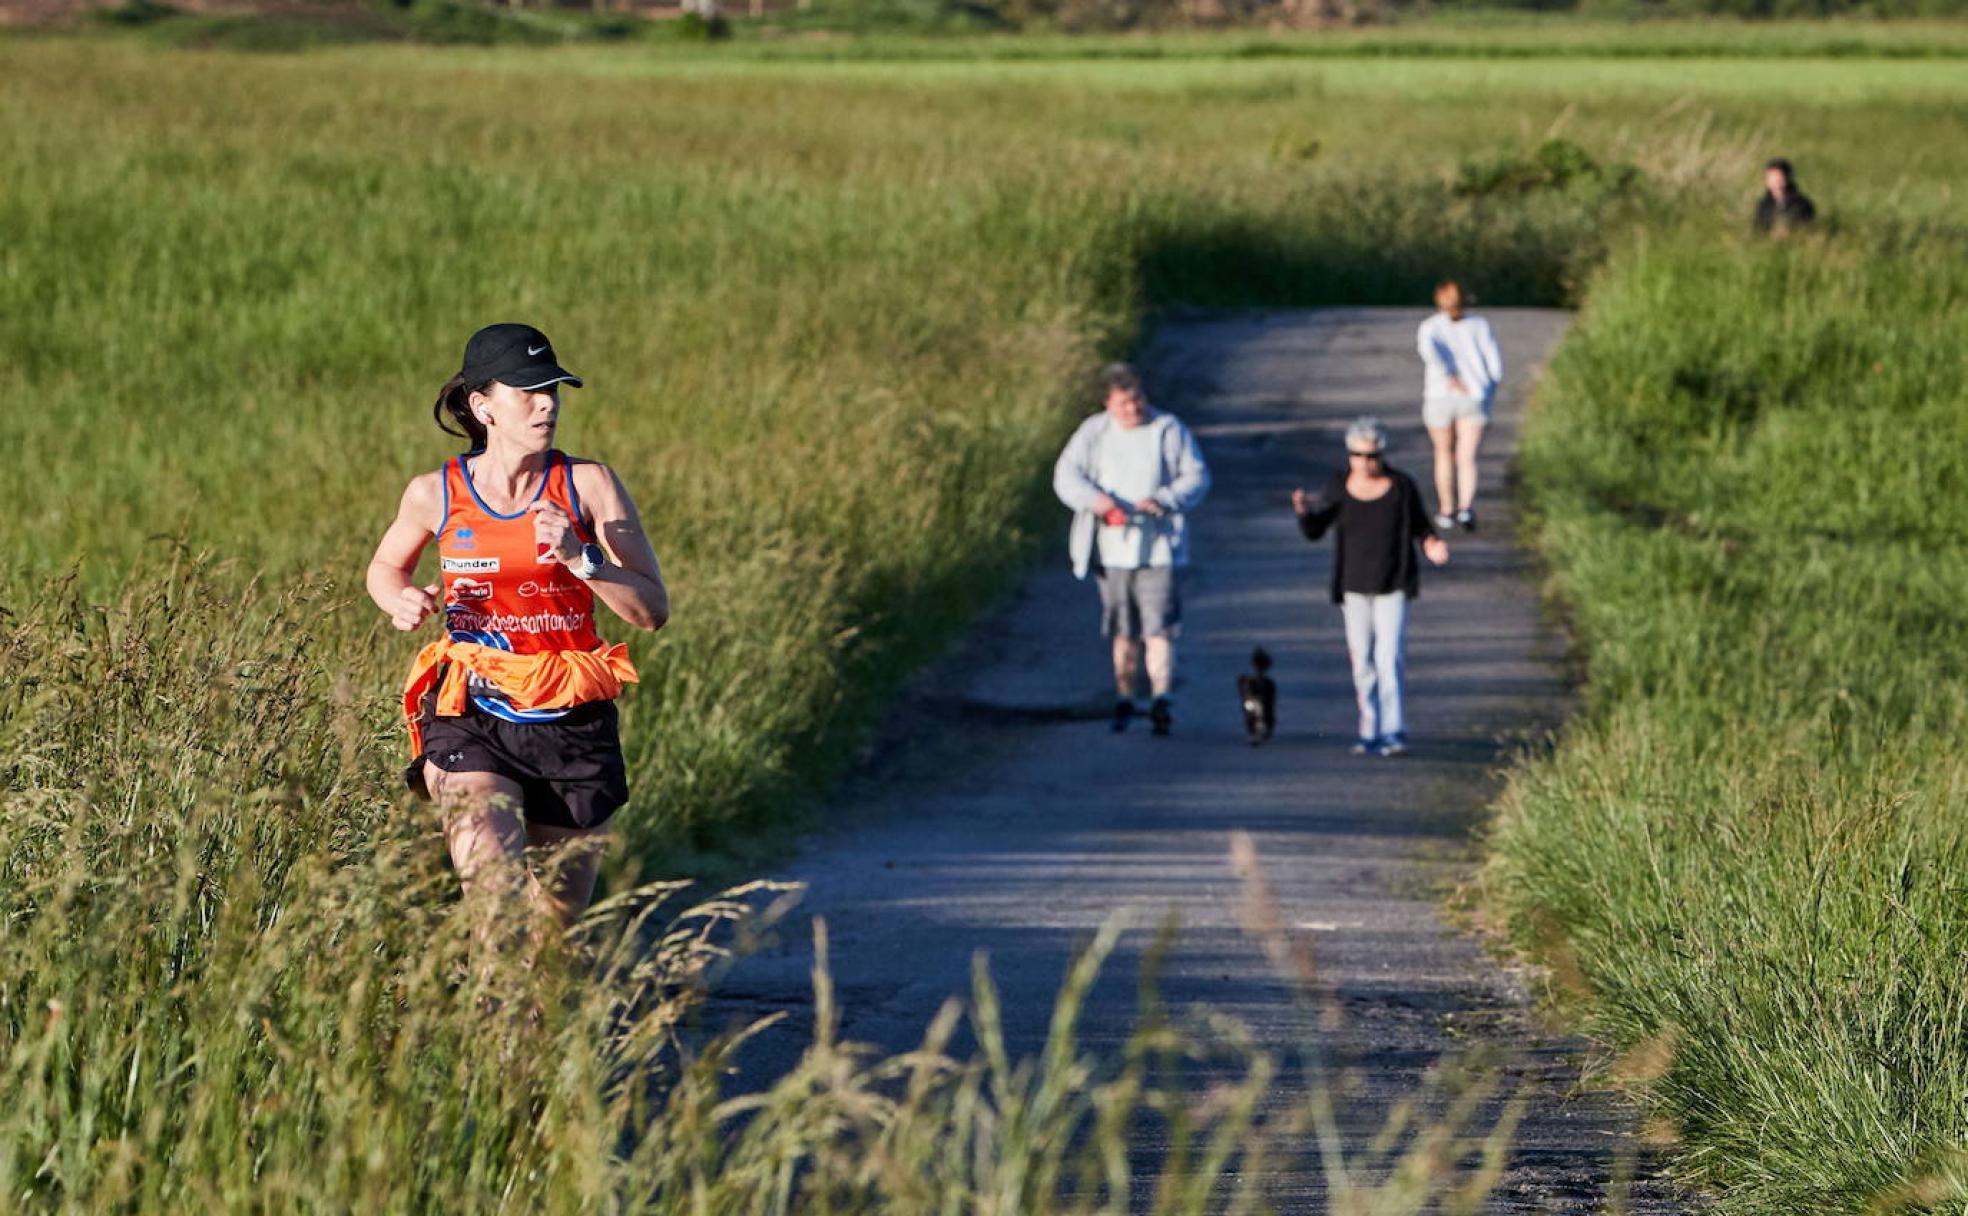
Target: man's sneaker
1159	714
1444	522
1466	520
1362	747
1123	714
1392	745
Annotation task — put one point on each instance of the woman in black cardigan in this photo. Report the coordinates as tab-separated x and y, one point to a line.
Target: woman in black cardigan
1377	520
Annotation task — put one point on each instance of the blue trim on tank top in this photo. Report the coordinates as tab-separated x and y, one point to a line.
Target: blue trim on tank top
519	514
573	495
444	513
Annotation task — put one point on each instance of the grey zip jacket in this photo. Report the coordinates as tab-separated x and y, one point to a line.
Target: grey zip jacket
1075	479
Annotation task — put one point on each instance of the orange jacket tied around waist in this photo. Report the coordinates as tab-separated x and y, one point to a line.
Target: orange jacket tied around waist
548	679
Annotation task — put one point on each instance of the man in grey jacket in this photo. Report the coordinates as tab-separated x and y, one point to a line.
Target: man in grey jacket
1131	473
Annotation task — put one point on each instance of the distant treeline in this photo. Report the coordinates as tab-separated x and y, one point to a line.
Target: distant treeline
1121	14
1717	8
250	25
1098	15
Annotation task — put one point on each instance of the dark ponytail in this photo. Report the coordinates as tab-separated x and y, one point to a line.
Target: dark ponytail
455	399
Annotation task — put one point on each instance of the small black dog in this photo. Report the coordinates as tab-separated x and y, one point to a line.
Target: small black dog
1260	698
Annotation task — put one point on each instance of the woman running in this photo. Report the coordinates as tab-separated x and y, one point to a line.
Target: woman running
1376	516
511	713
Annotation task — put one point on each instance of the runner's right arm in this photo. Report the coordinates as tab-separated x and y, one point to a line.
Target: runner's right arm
392	571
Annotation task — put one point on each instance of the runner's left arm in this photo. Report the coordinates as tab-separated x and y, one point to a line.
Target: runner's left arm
631	584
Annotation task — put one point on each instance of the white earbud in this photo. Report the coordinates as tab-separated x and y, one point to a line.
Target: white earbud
483	417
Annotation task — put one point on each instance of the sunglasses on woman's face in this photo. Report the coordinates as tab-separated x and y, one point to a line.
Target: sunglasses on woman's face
1363	455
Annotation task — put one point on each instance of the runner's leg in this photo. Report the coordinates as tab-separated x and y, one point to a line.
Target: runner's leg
564	873
484	826
485	830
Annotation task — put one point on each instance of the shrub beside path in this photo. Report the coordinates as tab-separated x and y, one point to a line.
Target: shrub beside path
1001	815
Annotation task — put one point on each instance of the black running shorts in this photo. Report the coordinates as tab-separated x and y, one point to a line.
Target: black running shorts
568	769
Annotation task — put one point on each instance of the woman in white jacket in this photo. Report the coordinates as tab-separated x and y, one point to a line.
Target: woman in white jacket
1461	370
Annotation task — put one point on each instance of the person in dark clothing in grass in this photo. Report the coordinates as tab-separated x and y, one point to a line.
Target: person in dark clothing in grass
1377	519
1784	208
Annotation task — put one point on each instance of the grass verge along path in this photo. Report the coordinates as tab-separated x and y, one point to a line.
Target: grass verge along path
1749	853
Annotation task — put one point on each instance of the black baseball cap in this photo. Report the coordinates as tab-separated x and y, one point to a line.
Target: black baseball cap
514	354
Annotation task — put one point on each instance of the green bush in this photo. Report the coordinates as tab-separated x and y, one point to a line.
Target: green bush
695	27
1555	164
134	13
443	22
940	18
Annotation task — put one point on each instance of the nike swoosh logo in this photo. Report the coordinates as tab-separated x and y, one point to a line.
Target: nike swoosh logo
535	350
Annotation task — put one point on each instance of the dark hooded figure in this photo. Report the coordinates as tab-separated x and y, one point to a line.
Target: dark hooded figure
1783	206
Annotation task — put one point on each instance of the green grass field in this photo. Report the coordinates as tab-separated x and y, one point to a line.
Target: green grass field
834	317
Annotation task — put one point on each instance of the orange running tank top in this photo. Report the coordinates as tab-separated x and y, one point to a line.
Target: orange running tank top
498	591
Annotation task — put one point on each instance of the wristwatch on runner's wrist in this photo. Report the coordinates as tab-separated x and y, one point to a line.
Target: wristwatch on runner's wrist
590	562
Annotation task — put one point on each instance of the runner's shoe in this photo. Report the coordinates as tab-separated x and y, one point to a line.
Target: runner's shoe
1392	745
1364	747
1159	714
1123	714
1444	522
1466	520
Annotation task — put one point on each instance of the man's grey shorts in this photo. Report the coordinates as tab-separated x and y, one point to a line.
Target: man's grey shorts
1446	411
1141	603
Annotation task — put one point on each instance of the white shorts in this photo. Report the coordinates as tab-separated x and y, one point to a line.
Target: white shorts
1449	409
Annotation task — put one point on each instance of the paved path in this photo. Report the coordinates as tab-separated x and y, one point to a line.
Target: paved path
1008	819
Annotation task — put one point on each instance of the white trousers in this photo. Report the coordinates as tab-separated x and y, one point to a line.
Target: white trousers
1376	642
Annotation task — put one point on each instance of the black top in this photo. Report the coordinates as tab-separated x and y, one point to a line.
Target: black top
1795	211
1372	528
1374	542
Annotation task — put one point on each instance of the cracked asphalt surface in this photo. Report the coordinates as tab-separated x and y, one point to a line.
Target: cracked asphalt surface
1003	815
